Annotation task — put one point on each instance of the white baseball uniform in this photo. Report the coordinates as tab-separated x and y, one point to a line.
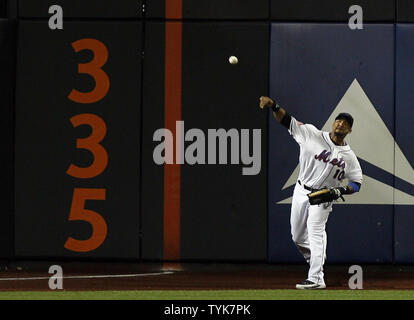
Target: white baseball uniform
322	164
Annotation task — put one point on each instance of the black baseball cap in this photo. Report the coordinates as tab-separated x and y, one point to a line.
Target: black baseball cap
347	117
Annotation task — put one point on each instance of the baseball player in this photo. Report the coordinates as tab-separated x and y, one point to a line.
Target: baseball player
325	161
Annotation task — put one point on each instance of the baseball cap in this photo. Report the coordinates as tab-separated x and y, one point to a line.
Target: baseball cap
347	117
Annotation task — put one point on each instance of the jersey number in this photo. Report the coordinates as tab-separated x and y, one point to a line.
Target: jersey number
339	174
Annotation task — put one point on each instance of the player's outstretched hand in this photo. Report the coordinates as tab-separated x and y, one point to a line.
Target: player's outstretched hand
265	102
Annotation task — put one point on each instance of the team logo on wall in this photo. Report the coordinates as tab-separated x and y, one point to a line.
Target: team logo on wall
374	143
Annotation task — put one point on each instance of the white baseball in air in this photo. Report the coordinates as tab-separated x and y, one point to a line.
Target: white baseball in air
233	60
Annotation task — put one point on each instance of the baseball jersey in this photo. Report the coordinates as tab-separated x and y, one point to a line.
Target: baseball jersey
323	163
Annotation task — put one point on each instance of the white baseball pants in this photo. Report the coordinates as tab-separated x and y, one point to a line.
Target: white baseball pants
308	231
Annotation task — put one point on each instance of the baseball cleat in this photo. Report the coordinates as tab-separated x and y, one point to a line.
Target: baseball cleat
310	285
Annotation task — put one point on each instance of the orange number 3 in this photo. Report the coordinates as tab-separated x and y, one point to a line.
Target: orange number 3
92	68
90	143
78	212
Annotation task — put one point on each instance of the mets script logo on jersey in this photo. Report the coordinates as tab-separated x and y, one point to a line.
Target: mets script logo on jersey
324	156
388	159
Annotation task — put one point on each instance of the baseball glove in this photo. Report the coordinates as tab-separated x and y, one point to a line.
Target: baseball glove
325	195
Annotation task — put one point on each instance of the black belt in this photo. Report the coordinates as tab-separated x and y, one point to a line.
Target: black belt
307	188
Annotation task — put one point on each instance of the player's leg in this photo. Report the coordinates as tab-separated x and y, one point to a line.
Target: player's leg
298	222
318	217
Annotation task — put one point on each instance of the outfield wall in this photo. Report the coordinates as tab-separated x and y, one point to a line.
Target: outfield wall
87	108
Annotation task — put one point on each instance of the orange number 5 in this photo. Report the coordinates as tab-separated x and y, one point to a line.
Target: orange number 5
78	212
90	143
92	68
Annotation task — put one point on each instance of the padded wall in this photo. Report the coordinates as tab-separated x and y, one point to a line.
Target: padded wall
208	9
405	11
317	71
78	140
8	32
334	11
404	153
153	118
210	211
113	9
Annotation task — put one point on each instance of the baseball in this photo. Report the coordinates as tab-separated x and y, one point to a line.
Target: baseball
233	60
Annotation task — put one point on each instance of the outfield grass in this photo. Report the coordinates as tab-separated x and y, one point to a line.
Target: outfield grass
213	295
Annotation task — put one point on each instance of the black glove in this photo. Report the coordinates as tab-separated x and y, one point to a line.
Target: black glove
327	195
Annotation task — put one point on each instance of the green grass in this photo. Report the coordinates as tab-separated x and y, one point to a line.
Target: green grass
212	295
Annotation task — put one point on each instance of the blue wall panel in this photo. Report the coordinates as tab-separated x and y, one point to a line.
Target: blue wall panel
404	116
312	67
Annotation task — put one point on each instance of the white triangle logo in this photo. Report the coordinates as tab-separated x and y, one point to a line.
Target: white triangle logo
373	143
